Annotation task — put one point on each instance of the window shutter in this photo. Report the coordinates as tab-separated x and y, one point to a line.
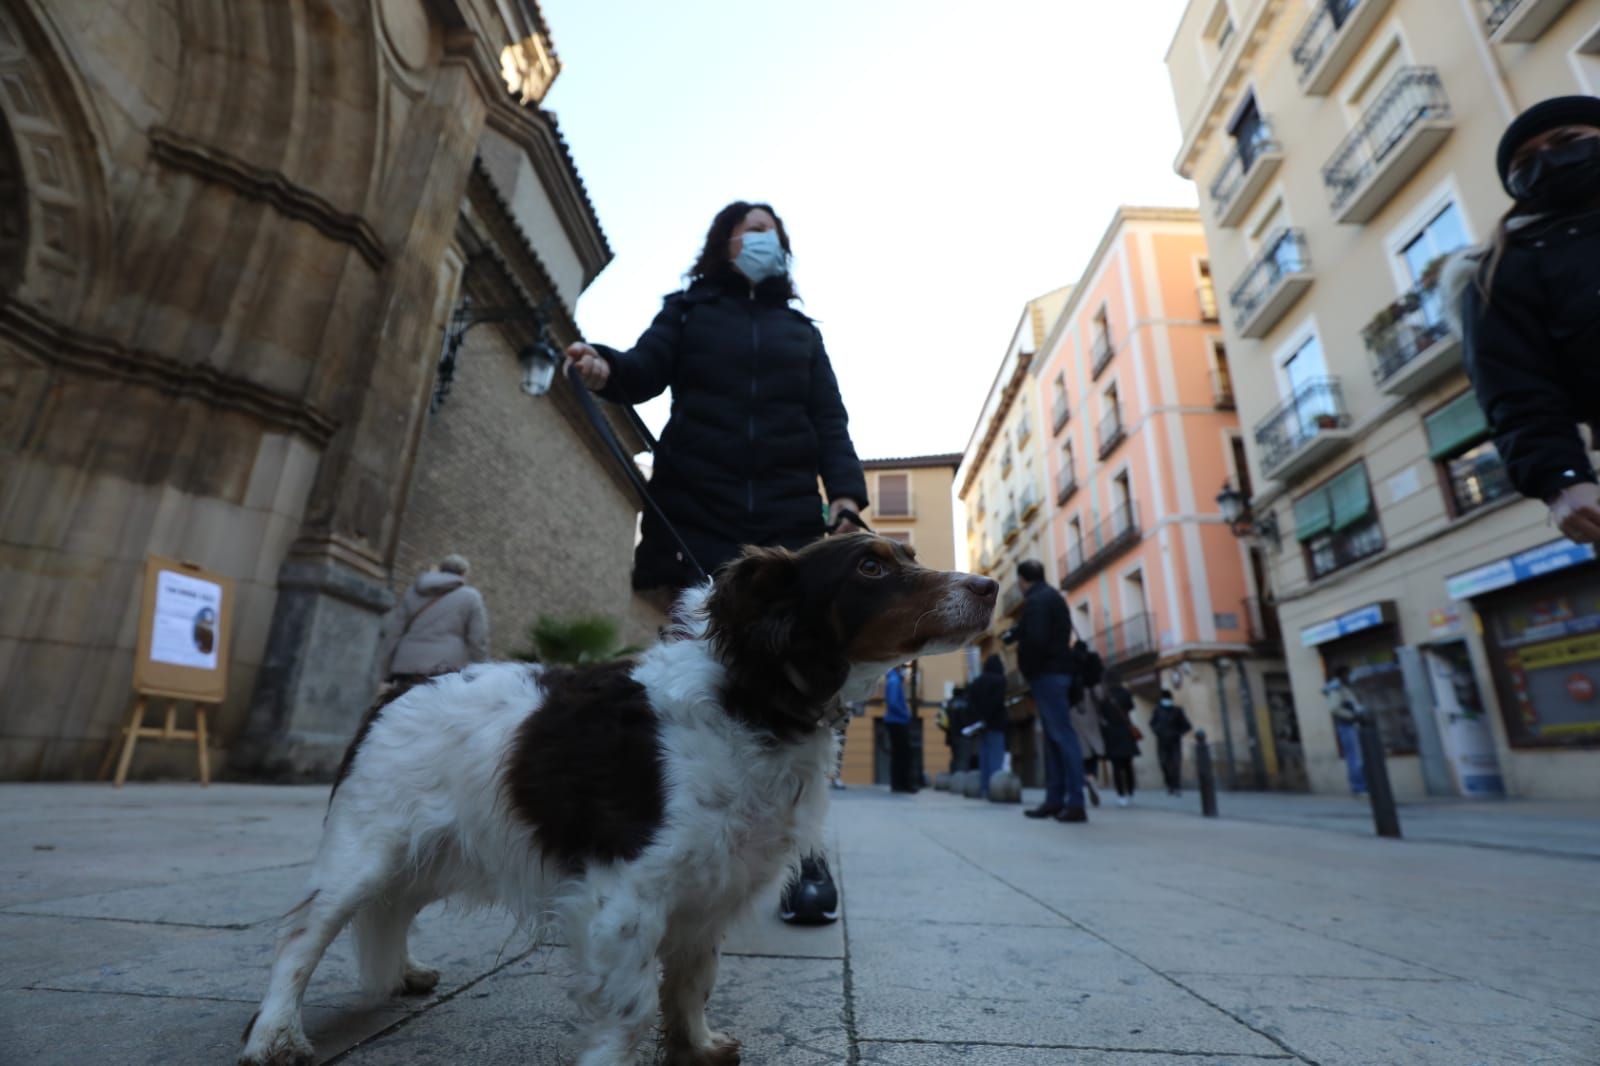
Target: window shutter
894	495
1458	424
1352	498
1312	515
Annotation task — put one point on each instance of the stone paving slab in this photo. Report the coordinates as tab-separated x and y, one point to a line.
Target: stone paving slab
40	1028
226	901
36	948
1414	1023
1010	985
1007	1055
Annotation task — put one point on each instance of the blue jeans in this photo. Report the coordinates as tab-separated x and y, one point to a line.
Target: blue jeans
1350	744
1063	758
991	755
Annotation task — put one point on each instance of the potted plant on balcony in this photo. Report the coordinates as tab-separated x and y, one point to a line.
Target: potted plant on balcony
1327	420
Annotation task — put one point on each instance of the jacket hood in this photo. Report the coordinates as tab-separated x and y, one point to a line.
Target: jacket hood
437	583
994	665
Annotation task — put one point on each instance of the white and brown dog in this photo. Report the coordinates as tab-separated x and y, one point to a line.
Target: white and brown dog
644	803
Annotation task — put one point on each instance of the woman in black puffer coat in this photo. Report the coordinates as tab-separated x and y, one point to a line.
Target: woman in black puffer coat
756	414
1530	308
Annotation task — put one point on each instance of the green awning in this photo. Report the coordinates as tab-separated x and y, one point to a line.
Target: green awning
1312	515
1352	499
1457	425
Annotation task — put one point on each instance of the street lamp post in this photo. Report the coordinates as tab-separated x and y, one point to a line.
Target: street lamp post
1242	521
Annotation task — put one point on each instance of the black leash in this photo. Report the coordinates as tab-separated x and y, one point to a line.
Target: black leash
598	421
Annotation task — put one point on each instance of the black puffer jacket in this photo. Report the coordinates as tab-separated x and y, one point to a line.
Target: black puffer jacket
756	419
1044	635
988	694
1533	351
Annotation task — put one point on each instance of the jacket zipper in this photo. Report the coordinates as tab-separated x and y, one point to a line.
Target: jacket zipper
750	418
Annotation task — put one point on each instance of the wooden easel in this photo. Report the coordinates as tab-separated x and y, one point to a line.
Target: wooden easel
173	681
135	728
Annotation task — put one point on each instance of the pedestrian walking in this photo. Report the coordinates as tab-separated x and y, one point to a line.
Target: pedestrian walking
897	723
1527	304
1170	725
1120	733
1044	641
987	696
756	422
1085	718
756	418
1345	707
443	625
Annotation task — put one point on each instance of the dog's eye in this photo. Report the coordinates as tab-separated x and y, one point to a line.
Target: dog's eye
870	567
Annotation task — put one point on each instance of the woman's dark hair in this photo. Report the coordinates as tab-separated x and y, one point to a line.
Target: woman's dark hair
1496	247
713	263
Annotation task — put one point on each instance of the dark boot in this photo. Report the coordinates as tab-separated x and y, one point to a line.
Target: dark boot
1072	814
1044	810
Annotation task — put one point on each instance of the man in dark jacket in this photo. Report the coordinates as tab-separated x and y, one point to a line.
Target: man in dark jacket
1169	724
1044	641
987	697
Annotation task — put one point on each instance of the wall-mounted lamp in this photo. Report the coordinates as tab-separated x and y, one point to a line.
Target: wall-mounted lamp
539	359
1236	512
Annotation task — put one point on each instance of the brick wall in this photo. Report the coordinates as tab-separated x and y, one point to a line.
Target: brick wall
518	485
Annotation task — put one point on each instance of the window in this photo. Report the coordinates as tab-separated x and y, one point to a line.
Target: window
1206	292
1470	465
1218	29
893	496
1221	378
1061	411
1102	340
1303	372
1337	523
1249	133
1442	235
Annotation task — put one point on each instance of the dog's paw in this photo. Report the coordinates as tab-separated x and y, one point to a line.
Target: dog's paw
282	1048
721	1050
419	981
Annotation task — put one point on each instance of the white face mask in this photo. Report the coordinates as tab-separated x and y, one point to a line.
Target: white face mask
761	256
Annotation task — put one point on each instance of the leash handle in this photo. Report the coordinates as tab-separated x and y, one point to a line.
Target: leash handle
847	514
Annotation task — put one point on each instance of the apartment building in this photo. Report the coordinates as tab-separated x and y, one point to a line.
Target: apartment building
1138	400
1342	148
913	502
1002	486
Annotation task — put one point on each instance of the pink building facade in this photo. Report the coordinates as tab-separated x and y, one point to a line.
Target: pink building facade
1134	388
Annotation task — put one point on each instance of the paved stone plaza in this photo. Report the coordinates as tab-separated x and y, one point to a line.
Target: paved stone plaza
137	928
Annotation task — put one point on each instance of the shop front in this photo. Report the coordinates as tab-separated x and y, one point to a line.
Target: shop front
1368	641
1540	612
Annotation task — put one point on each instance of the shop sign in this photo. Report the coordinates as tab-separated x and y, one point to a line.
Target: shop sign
1444	622
1535	562
1369	617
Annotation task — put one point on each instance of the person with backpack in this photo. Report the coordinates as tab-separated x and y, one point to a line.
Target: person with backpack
1170	725
443	625
987	697
1044	642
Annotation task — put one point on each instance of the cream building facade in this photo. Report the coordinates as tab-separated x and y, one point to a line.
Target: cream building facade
1341	148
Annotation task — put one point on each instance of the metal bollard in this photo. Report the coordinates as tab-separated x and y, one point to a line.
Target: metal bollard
1202	769
1376	770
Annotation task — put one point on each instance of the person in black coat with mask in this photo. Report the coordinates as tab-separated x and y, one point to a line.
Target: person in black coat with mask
756	413
986	696
1530	310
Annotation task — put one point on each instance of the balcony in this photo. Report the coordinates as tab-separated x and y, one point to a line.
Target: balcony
1272	283
1060	415
1262	626
1030	502
1251	163
1307	428
1010	527
1103	351
1396	136
1330	39
1105	542
1412	344
1128	642
1111	432
1066	484
1024	431
1520	21
1005	464
1206	294
1222	390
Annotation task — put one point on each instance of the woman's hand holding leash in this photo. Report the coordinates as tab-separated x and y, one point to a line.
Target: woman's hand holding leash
592	367
1576	509
844	516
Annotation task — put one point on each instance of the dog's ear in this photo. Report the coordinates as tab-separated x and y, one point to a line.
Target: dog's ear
752	607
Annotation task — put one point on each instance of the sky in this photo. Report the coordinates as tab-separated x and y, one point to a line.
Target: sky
936	163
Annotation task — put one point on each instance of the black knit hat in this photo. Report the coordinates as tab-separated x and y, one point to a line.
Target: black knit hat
1543	117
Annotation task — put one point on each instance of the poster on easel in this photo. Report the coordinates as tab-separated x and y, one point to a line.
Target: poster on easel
185	616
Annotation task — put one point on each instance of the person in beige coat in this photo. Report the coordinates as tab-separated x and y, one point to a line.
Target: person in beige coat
443	624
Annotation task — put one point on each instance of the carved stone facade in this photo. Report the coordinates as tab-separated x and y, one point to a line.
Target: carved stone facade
231	238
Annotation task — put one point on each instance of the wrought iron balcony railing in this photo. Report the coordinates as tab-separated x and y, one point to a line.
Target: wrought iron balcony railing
1318	34
1111	432
1129	639
1404	330
1103	351
1413	96
1316	408
1062	413
1222	389
1029	503
1010	527
1104	542
1230	178
1066	483
1283	254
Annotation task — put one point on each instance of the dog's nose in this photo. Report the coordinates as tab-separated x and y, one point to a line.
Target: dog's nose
982	587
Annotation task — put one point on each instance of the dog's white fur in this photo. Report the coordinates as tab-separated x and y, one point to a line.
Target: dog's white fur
423	815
